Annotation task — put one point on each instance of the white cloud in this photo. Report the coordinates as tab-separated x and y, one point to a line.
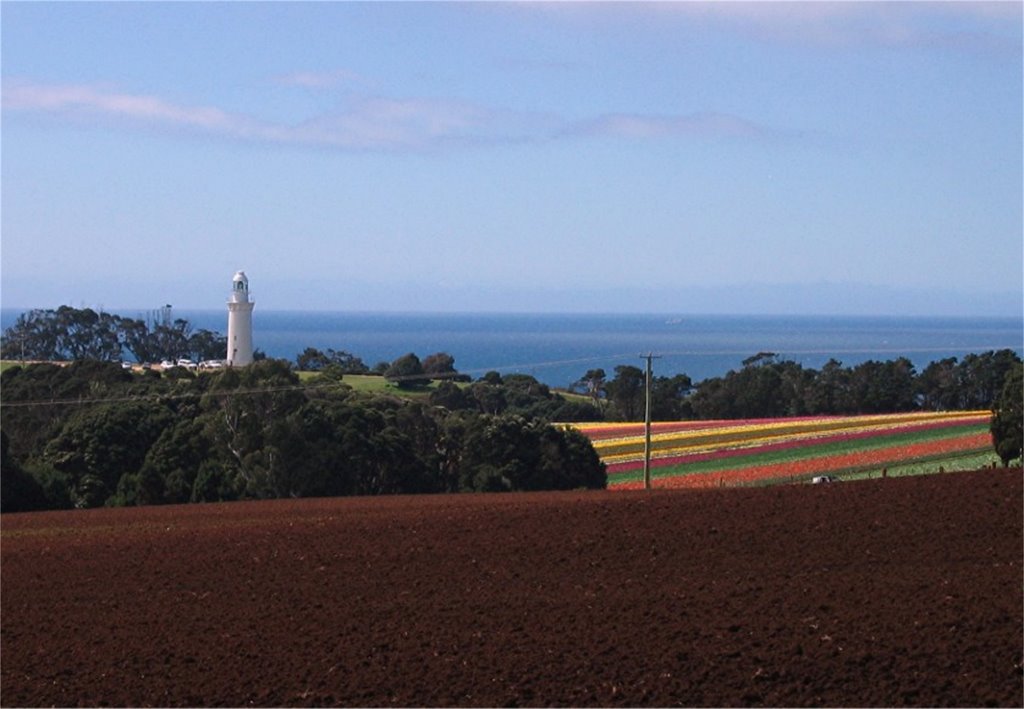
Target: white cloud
368	123
71	99
965	26
321	80
951	25
696	125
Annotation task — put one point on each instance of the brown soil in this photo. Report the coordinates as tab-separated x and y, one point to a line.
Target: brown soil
886	592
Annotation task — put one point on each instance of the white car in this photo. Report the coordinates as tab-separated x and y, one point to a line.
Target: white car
819	479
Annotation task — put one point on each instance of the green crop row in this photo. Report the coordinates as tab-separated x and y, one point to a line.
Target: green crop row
803	452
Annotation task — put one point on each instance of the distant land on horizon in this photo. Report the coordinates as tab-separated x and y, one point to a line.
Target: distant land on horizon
816	299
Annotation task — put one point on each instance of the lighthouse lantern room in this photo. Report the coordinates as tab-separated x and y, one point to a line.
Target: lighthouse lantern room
239	322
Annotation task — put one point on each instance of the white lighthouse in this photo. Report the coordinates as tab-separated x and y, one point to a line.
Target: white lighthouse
239	322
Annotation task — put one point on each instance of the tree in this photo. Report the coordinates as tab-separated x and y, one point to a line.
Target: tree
247	408
1008	418
406	372
504	453
522	391
311	360
937	385
172	464
669	398
489	397
980	377
139	341
451	396
593	384
626	392
439	364
32	337
19	491
172	341
712	400
347	362
204	344
64	334
100	444
883	387
761	358
86	334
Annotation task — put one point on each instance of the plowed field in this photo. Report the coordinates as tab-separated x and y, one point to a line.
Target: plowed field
883	592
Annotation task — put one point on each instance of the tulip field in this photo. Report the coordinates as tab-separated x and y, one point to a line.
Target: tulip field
690	454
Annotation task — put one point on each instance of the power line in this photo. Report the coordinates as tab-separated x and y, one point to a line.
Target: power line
156	398
452	375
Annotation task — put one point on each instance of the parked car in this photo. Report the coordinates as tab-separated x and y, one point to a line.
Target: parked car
818	479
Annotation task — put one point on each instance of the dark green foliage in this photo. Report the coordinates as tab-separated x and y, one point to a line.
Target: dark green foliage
99	444
768	387
406	372
1008	417
501	453
83	334
937	385
313	360
489	397
19	491
169	471
981	377
439	364
452	397
669	398
205	344
93	433
519	394
256	432
592	384
214	483
883	387
626	392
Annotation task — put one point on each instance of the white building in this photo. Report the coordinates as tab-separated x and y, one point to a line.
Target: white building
239	322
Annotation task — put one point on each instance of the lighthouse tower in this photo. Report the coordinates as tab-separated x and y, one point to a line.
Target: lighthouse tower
239	322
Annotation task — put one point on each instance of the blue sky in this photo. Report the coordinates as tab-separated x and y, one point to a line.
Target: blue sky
854	158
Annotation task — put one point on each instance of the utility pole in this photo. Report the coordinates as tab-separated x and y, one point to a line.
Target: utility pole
647	420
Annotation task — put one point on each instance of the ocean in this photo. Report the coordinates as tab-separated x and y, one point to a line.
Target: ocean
559	349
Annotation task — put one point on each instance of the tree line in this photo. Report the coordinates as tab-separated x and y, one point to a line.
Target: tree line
68	334
767	386
93	433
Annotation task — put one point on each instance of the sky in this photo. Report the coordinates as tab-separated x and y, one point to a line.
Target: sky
748	158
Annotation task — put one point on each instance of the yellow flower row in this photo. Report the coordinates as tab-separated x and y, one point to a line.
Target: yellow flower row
718	437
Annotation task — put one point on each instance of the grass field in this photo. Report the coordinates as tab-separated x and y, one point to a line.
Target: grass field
376	385
757	452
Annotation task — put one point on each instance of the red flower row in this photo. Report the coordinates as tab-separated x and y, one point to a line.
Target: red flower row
660	462
809	466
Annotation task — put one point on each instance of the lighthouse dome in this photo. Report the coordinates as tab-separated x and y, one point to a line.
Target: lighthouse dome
240	288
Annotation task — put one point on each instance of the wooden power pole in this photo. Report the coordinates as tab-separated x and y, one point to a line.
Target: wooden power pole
647	421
